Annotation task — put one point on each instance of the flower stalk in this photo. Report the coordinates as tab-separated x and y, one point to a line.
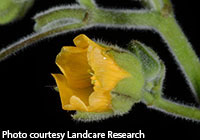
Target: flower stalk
170	107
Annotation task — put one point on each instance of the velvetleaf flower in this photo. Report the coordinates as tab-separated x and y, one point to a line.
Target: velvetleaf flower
98	81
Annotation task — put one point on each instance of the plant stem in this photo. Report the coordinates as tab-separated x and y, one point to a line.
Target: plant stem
13	48
122	18
171	107
182	51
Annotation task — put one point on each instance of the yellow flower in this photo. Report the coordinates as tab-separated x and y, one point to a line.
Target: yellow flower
89	76
101	81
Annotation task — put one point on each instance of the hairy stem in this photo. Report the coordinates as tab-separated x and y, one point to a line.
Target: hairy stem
170	107
4	53
182	51
122	18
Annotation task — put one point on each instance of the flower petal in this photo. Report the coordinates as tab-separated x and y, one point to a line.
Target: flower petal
106	71
82	41
83	94
65	93
72	62
100	101
76	104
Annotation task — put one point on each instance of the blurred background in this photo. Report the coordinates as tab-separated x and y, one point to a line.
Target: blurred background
29	103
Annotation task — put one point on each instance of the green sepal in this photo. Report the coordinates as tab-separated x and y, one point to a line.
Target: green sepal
11	10
150	60
121	104
91	116
158	82
131	86
153	67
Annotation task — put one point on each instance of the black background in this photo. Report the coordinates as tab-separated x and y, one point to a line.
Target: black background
29	103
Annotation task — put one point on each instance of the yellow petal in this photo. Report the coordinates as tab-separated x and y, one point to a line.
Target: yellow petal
83	94
72	62
106	71
100	101
64	92
76	104
82	41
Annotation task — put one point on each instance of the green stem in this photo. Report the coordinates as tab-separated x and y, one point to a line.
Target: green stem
182	51
171	107
4	53
170	31
122	18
